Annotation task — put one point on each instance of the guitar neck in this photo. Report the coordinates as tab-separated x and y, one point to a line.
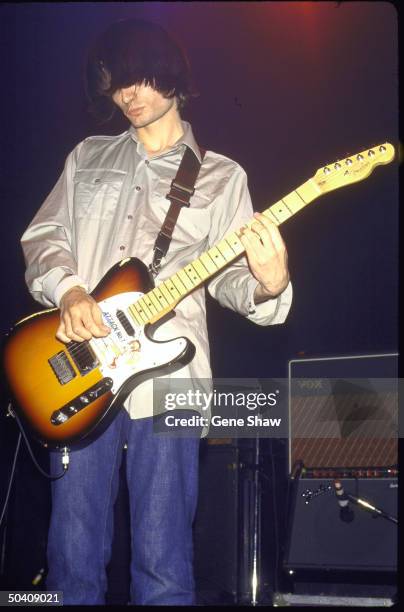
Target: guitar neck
163	298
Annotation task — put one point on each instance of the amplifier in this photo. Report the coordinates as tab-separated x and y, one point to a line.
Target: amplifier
319	537
343	411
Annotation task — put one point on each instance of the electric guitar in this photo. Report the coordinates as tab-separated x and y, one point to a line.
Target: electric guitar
68	393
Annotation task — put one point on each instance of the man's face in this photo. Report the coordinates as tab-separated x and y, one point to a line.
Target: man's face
142	104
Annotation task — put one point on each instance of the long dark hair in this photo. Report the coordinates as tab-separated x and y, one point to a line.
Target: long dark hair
133	51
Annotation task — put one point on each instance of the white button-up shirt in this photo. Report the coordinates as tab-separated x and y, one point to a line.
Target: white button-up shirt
109	203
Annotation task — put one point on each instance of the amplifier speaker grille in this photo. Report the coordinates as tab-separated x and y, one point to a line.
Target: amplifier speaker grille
342	422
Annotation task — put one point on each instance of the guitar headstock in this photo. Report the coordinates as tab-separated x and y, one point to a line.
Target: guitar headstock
353	168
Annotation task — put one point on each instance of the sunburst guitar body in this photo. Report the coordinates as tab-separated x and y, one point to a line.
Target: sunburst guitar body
68	394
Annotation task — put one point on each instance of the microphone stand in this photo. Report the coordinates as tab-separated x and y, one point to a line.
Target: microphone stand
251	595
257	512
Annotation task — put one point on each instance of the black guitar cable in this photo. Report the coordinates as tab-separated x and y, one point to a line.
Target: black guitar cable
11	479
65	461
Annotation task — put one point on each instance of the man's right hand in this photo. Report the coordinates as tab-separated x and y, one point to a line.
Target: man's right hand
80	317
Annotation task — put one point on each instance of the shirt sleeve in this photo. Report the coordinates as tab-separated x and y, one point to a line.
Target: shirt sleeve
51	268
234	287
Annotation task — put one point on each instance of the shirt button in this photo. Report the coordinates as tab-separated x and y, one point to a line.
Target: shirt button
147	162
121	248
130	216
138	188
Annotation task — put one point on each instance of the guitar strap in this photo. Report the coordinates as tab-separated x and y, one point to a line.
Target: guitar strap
181	191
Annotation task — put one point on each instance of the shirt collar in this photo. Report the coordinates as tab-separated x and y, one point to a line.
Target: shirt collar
186	139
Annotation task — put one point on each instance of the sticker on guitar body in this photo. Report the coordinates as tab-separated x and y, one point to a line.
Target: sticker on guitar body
127	349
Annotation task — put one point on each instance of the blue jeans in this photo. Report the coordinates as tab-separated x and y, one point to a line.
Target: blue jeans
162	477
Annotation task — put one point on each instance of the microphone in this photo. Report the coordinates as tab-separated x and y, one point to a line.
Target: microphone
346	513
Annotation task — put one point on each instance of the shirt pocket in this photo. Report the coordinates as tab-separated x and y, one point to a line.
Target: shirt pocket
96	192
193	223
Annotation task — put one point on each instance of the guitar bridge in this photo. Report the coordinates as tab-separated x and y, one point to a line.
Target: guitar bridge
62	367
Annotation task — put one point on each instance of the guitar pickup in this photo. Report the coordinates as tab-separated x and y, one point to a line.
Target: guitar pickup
82	356
123	319
62	368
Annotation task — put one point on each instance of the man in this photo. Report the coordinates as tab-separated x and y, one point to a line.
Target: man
108	204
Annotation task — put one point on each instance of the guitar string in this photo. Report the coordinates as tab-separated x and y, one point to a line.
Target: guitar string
333	172
81	347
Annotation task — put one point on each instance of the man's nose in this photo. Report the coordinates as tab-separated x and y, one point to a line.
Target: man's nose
127	94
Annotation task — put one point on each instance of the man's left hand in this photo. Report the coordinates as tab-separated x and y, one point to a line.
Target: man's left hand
267	257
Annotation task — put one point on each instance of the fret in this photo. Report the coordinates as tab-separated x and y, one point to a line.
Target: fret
217	257
193	274
280	211
166	294
172	288
155	301
185	279
287	208
160	297
294	202
225	250
271	216
208	263
309	191
235	243
135	315
145	307
141	312
200	268
146	300
179	284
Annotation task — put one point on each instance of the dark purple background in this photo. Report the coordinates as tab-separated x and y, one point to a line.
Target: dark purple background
285	88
